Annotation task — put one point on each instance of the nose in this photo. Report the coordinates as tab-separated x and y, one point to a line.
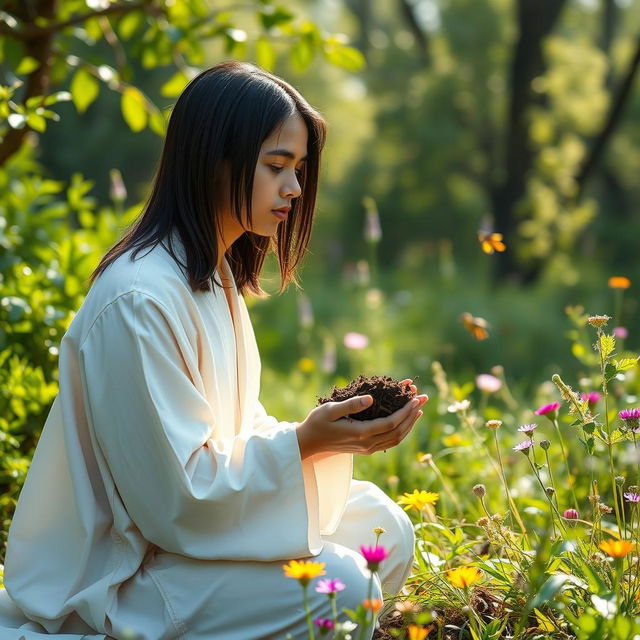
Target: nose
291	188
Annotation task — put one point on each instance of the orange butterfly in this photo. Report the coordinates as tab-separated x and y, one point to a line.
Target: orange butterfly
477	327
491	242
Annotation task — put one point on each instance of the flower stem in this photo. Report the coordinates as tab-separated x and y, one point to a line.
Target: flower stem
570	477
307	612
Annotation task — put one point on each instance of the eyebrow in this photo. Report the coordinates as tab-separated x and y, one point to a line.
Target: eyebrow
285	153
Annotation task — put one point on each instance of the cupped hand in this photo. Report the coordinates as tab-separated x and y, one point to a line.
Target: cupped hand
328	428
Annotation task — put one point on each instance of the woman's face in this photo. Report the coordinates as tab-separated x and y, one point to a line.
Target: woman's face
275	182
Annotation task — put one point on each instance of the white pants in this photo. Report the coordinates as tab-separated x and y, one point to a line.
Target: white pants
250	600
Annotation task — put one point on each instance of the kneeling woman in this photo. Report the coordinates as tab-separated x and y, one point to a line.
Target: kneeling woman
162	500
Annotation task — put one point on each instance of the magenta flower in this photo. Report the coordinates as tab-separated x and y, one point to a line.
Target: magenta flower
570	514
632	497
620	332
354	340
528	428
324	624
629	415
549	410
488	383
329	586
374	555
524	446
592	397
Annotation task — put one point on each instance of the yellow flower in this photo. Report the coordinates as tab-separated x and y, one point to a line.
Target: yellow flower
375	604
454	440
616	548
414	632
304	570
418	500
464	577
491	242
307	365
619	282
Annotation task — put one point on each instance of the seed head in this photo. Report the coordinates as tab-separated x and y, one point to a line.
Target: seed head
550	491
545	444
483	522
493	424
480	490
604	508
598	321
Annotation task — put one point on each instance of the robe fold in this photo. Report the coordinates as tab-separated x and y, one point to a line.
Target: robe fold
156	442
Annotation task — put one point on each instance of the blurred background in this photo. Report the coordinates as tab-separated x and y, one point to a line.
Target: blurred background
449	121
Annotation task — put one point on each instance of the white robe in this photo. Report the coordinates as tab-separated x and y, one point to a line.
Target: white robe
157	447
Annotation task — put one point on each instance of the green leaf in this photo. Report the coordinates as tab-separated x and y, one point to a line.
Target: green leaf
273	16
265	54
157	122
84	89
174	86
549	589
129	24
610	371
36	122
625	363
133	109
302	54
27	65
344	56
607	345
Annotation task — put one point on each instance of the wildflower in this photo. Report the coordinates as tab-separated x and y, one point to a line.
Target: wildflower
570	514
604	508
379	531
418	500
592	398
550	410
459	407
483	522
306	365
324	624
631	417
477	327
527	428
616	548
633	488
524	446
415	632
491	242
620	332
356	341
374	555
304	570
407	607
493	424
393	482
464	577
425	458
598	321
619	480
375	604
488	383
329	586
545	444
619	282
372	229
632	497
480	490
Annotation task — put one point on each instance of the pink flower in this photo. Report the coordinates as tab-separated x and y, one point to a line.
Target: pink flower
620	332
354	340
629	415
527	428
592	397
329	586
488	383
524	446
549	410
570	514
632	497
324	624
374	555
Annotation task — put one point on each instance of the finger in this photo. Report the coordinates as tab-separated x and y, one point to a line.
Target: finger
383	425
337	410
395	437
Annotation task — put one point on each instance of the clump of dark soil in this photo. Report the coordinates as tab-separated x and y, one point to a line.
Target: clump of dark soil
387	393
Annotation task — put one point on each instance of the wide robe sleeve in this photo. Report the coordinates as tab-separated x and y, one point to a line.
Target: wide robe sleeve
234	498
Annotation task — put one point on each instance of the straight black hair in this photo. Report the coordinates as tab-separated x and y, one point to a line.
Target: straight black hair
221	120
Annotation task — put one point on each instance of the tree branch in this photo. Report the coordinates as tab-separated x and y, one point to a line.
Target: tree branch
418	32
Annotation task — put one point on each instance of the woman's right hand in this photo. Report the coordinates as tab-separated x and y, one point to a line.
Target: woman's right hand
328	429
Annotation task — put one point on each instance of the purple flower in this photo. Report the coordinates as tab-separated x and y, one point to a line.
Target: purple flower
592	397
527	428
629	415
524	446
549	410
324	624
329	586
488	383
632	497
374	555
570	514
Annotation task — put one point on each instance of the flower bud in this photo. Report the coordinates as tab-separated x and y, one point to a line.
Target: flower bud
379	531
620	481
545	444
604	508
550	491
493	424
480	490
483	522
632	488
570	514
598	321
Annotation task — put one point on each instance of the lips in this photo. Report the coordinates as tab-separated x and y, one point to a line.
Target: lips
281	213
